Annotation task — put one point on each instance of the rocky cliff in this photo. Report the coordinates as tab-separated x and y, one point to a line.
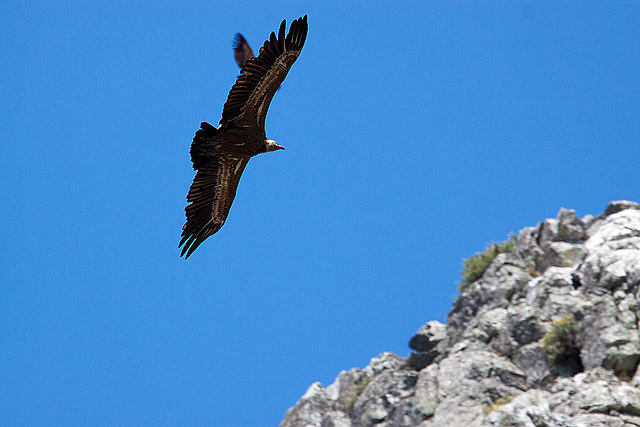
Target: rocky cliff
548	336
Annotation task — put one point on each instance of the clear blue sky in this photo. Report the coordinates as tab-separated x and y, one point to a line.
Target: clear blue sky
416	133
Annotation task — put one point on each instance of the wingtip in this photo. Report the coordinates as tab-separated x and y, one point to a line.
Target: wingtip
238	40
183	251
281	35
188	248
182	241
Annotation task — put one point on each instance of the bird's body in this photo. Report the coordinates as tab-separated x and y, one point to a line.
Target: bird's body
219	155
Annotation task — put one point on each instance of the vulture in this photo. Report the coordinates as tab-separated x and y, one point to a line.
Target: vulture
219	155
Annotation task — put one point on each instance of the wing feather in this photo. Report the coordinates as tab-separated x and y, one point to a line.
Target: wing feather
210	196
212	191
241	49
261	76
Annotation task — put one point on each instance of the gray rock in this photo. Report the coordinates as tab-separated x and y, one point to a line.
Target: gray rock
342	390
529	251
535	364
428	336
382	362
570	227
609	336
386	401
504	358
563	254
547	232
458	389
426	398
503	278
333	406
336	419
619	206
425	342
530	409
596	398
310	410
597	391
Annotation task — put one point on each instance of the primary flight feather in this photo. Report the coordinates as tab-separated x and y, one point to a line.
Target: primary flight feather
241	49
219	155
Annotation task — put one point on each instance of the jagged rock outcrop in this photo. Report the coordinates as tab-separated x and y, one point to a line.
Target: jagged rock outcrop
548	336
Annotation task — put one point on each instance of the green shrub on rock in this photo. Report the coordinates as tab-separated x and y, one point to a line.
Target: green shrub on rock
475	266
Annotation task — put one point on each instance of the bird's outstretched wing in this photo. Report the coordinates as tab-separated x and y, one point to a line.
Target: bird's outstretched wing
211	193
241	49
261	76
218	174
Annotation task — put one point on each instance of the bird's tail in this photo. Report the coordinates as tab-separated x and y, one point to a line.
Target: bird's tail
206	133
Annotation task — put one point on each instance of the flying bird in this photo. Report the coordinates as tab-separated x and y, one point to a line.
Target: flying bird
219	155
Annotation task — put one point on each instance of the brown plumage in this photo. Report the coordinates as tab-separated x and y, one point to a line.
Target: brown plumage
219	155
241	49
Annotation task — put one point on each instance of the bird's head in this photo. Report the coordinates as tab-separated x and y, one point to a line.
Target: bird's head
271	145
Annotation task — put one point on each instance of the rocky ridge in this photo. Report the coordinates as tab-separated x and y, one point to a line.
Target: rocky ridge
548	336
